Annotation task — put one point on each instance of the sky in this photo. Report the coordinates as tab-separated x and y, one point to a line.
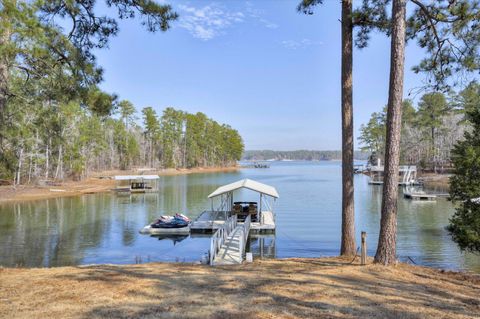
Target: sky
261	67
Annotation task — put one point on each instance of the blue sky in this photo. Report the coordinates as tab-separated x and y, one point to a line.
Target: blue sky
259	66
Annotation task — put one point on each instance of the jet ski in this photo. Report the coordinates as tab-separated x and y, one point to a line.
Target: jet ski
177	221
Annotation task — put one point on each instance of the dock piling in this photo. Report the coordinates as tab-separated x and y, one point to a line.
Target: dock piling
363	260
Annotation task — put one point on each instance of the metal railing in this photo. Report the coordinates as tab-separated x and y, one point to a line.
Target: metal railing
243	239
220	236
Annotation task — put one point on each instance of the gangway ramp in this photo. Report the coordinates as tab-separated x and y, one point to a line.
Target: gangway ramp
229	242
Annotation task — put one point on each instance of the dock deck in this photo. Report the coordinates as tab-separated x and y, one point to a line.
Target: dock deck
210	222
419	196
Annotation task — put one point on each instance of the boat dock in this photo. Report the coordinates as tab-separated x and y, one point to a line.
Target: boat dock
232	222
407	175
136	184
419	196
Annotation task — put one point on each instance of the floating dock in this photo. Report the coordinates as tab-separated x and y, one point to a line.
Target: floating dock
233	222
419	196
165	231
407	175
210	221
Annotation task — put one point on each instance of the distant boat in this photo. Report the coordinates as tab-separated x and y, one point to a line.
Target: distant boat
287	160
271	160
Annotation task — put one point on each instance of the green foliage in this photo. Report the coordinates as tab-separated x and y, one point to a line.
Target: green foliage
447	30
465	187
468	99
431	108
373	134
428	133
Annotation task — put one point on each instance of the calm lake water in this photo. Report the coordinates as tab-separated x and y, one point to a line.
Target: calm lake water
103	228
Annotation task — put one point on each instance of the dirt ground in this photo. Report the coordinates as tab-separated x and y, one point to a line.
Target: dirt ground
288	288
99	182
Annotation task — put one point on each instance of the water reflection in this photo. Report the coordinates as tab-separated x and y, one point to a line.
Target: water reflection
103	228
262	246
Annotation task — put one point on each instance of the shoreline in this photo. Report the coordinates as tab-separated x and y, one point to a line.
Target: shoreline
98	182
282	288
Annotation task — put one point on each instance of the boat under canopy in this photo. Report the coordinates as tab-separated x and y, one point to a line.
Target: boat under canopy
260	213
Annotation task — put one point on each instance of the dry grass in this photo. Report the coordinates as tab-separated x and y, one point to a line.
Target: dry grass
291	288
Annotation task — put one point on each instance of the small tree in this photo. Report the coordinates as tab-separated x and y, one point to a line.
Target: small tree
432	108
465	187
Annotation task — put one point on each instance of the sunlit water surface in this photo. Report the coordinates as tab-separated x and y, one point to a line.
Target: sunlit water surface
103	228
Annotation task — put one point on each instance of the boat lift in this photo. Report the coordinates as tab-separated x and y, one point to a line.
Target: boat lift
232	222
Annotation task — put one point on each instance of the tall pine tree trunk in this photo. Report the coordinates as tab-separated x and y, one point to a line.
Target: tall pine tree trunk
348	213
386	250
4	68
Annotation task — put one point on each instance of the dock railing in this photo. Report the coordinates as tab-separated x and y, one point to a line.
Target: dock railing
221	235
243	239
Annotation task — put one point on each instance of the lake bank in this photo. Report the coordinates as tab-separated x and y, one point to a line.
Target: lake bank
433	180
287	288
97	183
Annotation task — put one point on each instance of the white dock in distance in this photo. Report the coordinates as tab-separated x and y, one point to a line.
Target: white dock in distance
136	183
233	221
407	175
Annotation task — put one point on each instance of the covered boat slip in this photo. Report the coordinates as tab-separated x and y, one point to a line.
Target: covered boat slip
262	218
407	175
136	183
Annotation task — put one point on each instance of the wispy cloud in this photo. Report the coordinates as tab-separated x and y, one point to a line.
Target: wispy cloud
299	44
258	15
212	20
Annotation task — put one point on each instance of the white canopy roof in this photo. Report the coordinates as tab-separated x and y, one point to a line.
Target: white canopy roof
131	177
246	183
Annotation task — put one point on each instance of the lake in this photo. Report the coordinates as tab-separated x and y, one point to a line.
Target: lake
103	228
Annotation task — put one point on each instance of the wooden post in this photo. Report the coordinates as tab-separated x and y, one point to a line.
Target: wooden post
364	248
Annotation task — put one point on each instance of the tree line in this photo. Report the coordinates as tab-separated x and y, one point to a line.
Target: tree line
55	121
299	155
429	131
65	140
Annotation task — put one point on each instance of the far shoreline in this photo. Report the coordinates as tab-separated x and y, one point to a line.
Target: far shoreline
98	182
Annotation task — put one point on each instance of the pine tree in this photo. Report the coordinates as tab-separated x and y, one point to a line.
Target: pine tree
465	187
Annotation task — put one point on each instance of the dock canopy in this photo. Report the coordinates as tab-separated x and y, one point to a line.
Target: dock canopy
133	177
246	183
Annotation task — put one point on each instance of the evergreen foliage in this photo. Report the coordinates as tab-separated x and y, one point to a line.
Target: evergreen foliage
465	187
67	140
429	131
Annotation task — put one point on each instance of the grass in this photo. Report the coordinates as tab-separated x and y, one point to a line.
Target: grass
289	288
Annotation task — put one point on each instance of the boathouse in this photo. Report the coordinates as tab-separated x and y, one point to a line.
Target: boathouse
136	183
407	175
